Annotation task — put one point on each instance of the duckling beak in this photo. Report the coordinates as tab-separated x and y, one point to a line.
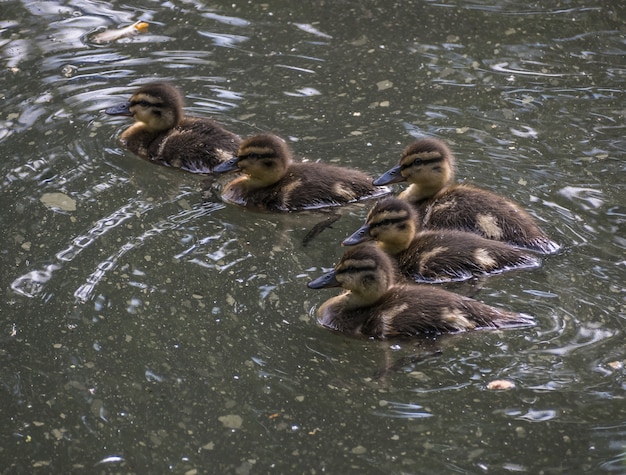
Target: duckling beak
360	235
325	281
391	176
121	109
227	166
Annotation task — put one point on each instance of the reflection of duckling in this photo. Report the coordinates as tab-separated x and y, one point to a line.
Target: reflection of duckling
374	305
435	256
428	165
272	181
163	134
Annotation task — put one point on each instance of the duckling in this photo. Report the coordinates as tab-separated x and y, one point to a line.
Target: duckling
435	256
375	305
428	165
272	181
163	134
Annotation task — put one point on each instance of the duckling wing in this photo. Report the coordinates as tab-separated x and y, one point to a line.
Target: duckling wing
196	145
444	256
319	185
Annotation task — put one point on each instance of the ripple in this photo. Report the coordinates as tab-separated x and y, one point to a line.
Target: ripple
402	410
306	27
222	39
586	198
504	67
215	257
85	290
33	283
227	20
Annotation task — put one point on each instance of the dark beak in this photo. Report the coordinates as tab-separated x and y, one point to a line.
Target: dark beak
391	176
227	166
324	281
361	235
121	109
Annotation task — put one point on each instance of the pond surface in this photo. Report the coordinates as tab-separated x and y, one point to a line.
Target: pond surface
147	327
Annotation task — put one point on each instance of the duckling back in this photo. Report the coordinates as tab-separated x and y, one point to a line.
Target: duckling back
195	145
468	208
411	310
444	256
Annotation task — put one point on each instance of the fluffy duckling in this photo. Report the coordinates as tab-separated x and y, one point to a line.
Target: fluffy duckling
435	256
428	165
272	181
163	134
375	305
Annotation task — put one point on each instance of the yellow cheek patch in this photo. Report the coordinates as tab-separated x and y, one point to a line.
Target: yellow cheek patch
488	224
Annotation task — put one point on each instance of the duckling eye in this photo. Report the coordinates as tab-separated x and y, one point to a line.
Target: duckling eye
386	222
258	156
355	269
141	103
417	161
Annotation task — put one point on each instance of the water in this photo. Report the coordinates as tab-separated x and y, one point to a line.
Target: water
149	328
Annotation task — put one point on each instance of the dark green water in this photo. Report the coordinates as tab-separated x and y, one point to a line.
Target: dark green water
153	329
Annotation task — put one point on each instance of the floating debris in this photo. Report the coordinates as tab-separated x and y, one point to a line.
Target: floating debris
500	384
111	459
231	421
108	36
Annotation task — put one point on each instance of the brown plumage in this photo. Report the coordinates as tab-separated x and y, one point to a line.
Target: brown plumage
272	181
375	305
435	256
164	135
428	165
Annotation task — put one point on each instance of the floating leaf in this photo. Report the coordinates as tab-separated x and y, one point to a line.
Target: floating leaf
231	421
58	200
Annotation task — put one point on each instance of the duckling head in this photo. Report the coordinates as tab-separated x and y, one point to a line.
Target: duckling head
158	106
426	163
364	271
391	222
264	159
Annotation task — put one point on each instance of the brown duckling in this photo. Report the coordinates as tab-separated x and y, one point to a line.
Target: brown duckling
163	134
428	165
375	305
272	181
435	256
